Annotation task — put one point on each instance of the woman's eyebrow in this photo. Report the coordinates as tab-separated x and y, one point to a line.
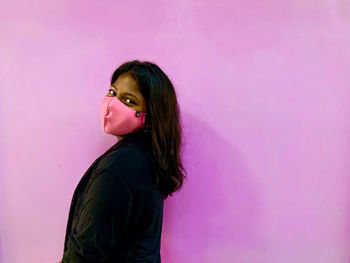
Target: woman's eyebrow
126	93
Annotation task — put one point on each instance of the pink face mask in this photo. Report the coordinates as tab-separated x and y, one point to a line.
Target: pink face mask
119	119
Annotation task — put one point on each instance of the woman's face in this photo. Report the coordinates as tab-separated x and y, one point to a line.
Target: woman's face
126	90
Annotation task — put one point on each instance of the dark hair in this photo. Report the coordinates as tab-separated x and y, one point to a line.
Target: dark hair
163	136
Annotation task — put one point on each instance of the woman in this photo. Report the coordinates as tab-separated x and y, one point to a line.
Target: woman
116	211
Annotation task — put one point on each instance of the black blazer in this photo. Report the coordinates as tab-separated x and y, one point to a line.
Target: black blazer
116	211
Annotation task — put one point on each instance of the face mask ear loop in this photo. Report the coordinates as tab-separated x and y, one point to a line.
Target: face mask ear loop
144	127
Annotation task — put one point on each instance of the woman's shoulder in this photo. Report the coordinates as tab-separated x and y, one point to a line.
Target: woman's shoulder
133	165
128	161
126	153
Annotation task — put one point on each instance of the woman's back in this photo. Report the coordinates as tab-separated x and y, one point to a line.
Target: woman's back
117	210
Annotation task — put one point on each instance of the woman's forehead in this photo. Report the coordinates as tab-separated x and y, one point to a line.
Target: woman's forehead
126	82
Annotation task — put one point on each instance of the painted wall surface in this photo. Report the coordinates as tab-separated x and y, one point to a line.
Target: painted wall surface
265	101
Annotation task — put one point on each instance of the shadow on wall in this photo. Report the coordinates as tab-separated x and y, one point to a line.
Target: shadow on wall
218	207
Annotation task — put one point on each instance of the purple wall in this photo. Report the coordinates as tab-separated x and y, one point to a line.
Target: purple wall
264	93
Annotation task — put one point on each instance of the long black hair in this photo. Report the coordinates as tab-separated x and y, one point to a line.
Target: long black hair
163	133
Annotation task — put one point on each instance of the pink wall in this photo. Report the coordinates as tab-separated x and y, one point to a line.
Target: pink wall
264	92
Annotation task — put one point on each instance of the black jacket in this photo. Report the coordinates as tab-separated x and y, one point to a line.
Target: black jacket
116	211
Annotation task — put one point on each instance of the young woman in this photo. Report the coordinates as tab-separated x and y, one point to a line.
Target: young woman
116	211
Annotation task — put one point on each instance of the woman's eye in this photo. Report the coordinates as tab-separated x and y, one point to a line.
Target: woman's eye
130	101
110	91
